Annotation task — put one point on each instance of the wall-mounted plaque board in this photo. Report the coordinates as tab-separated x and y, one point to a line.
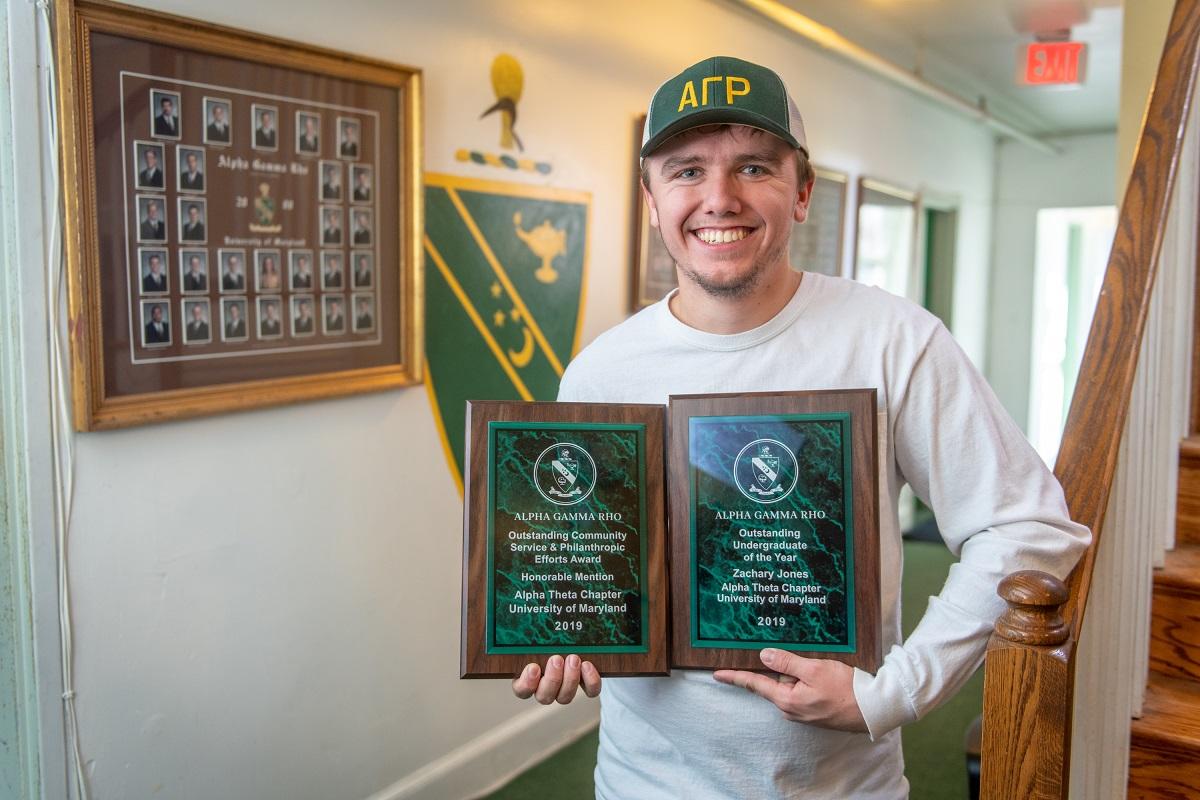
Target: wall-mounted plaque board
885	246
242	217
564	537
816	244
774	528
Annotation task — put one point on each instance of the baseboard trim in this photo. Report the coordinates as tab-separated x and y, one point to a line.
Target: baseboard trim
489	761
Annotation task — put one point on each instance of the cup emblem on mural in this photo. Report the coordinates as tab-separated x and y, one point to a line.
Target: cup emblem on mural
564	474
765	471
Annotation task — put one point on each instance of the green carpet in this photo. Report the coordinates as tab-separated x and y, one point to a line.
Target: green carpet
933	747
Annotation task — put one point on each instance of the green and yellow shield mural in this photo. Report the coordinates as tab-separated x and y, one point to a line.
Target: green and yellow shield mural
504	277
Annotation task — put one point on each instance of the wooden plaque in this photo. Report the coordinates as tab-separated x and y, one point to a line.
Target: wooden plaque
564	545
774	528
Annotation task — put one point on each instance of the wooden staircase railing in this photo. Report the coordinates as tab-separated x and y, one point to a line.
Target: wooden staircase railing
1029	672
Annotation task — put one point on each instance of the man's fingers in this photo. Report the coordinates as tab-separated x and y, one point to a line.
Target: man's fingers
551	682
761	685
570	682
591	679
524	684
786	663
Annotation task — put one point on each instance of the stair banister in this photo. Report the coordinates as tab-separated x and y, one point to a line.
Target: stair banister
1029	672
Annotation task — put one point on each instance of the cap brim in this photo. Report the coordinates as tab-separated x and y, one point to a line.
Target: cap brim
719	116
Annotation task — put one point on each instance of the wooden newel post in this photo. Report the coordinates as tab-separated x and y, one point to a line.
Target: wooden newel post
1027	684
1034	614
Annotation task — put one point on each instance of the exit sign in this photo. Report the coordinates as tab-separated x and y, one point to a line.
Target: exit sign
1052	64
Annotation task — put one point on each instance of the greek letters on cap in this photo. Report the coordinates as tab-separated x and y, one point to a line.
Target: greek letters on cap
734	87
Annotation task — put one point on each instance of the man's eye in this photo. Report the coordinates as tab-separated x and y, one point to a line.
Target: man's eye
754	169
688	173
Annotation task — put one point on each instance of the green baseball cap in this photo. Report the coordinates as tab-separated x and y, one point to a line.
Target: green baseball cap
723	89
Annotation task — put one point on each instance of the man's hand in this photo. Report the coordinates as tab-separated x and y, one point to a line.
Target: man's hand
812	690
561	681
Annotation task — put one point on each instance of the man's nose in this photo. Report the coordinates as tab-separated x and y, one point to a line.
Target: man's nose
722	195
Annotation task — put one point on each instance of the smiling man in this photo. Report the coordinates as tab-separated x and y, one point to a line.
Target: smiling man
726	175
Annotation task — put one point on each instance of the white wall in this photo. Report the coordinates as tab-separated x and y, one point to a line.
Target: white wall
267	602
1082	174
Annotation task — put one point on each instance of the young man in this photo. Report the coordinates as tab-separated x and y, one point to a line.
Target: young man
151	176
190	177
726	174
218	129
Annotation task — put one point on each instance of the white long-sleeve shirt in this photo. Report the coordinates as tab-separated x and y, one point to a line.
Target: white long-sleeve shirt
941	430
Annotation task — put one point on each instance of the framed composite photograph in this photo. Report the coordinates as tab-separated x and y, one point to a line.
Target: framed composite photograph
228	183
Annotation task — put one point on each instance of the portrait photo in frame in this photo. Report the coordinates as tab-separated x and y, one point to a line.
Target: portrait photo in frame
214	86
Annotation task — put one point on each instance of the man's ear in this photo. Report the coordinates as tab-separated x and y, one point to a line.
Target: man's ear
803	198
650	204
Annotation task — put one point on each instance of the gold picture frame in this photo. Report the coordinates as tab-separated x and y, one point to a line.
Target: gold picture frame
238	240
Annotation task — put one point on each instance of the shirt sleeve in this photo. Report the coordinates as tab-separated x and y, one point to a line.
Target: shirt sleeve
999	509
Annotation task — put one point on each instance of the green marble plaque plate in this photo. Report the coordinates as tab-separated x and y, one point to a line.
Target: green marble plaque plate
567	509
772	536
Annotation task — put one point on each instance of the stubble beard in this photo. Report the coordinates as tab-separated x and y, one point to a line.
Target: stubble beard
737	287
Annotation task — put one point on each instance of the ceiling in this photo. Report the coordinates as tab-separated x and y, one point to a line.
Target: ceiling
970	48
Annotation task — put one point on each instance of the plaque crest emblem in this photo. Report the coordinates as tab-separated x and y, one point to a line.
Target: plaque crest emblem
765	471
564	474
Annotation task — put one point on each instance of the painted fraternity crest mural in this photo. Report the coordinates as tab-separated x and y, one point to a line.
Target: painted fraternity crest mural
504	273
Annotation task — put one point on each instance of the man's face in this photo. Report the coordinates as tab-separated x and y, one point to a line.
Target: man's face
191	162
156	313
196	313
265	120
194	263
235	265
305	311
235	312
362	306
331	220
219	118
724	199
193	214
168	108
362	180
271	311
152	211
151	159
303	265
310	126
360	220
155	265
335	309
333	177
349	133
268	264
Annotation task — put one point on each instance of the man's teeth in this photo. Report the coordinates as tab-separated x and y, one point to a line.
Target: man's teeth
721	235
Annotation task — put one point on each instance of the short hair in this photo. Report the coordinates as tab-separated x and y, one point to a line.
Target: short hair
193	206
